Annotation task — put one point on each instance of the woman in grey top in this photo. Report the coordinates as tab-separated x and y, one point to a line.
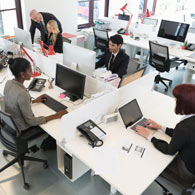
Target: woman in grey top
17	99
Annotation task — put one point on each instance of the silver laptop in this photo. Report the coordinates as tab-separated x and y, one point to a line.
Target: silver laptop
131	115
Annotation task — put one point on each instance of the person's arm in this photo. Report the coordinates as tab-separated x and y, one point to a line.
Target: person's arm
101	62
59	44
169	131
177	141
26	111
123	66
32	30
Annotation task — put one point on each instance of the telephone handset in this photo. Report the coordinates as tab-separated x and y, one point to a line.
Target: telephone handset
36	84
121	31
190	47
92	132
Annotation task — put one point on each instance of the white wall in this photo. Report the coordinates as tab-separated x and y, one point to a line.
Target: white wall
64	10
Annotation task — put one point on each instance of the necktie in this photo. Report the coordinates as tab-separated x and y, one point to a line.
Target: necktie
43	27
111	62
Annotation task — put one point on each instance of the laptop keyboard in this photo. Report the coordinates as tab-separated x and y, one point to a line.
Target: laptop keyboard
141	123
54	104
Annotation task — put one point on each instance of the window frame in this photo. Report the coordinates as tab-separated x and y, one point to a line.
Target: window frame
145	8
18	12
91	14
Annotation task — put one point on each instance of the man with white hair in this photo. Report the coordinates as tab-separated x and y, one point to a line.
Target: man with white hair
39	21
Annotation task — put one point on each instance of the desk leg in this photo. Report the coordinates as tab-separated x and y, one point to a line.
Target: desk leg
188	75
113	189
141	56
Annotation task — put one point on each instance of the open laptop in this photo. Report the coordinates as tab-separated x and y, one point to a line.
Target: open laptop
131	115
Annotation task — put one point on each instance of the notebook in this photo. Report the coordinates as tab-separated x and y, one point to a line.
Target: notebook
131	115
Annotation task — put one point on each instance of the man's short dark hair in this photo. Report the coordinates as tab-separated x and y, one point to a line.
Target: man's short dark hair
117	39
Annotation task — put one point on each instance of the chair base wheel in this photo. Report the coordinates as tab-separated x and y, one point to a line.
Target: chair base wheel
4	153
167	193
26	186
166	89
45	165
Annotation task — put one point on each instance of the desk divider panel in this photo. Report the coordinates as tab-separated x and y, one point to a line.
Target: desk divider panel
94	110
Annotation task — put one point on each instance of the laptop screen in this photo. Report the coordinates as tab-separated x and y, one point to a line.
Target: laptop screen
130	113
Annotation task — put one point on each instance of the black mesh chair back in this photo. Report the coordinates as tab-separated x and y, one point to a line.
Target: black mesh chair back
159	57
9	132
101	39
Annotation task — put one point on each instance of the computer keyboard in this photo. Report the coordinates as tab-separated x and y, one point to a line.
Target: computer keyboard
53	104
141	123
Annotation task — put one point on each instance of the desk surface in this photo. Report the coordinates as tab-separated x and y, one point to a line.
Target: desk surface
130	175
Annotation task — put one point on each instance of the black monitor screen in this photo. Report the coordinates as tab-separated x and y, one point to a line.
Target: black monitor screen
71	81
130	113
176	31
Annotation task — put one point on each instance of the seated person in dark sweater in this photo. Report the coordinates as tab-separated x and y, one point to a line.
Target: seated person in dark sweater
182	168
115	59
54	36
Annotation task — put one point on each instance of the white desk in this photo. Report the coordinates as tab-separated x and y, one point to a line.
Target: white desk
124	174
132	176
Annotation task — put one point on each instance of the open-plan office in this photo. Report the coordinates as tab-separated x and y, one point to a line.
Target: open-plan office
114	158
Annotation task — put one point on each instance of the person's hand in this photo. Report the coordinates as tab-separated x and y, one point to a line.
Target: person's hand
58	115
61	113
41	98
142	131
152	124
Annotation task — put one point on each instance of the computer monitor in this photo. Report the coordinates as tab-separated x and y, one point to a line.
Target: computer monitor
84	58
176	31
71	81
24	37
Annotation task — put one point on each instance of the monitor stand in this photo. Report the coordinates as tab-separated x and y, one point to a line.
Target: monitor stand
73	98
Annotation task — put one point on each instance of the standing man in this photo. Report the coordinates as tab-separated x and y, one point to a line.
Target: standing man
39	20
115	59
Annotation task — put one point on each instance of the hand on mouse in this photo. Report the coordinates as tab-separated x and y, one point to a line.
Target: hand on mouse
152	124
41	98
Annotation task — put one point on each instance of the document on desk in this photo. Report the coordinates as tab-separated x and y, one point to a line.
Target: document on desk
130	149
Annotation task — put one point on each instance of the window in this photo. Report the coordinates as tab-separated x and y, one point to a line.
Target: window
10	16
176	10
147	4
90	10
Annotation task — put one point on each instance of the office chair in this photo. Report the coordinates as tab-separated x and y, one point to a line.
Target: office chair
133	66
189	191
159	59
101	40
132	77
17	144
